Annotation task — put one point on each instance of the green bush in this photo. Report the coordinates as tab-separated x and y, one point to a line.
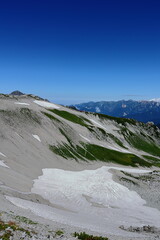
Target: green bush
85	236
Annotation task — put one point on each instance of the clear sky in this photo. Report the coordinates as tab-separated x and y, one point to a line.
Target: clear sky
72	51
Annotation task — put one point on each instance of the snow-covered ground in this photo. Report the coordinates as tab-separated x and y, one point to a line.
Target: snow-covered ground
36	137
90	199
46	104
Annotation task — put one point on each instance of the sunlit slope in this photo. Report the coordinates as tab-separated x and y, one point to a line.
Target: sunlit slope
118	140
37	131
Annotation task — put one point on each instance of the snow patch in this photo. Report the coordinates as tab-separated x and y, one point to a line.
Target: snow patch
124	105
61	186
98	110
90	199
119	149
2	154
46	104
2	164
84	138
98	124
21	103
37	137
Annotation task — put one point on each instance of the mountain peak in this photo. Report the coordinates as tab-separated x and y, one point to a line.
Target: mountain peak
17	93
155	100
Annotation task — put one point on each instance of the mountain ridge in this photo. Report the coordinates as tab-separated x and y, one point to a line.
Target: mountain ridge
115	134
145	111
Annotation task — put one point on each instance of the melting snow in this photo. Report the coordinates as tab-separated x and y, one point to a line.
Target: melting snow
97	184
37	137
20	103
90	199
46	104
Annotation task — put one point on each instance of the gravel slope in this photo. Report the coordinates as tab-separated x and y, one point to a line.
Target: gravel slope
24	152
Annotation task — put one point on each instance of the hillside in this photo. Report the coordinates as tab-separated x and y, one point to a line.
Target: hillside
48	151
68	134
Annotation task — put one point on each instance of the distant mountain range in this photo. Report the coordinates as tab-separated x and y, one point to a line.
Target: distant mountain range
144	111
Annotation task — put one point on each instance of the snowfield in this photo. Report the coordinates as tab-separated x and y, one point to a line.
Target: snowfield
90	199
46	104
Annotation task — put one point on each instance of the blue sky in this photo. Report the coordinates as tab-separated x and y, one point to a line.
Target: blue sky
81	50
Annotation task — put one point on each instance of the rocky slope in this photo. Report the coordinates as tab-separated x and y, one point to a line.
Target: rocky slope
45	150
